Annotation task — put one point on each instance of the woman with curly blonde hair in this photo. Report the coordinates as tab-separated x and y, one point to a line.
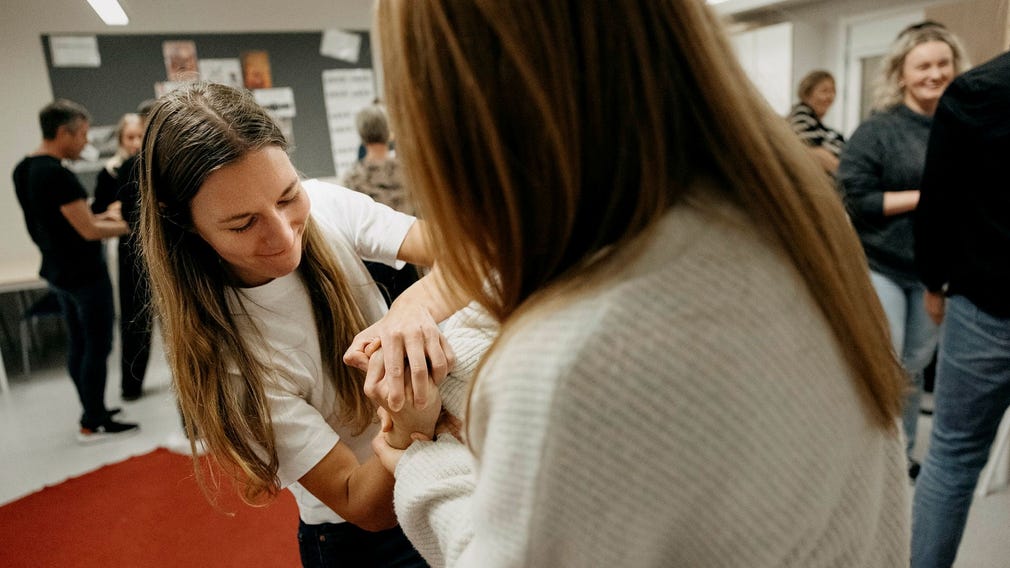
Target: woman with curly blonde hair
880	173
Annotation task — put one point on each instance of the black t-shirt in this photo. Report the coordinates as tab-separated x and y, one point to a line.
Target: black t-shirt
43	185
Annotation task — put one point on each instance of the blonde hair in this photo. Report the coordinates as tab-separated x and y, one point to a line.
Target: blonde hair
566	130
191	133
117	159
889	90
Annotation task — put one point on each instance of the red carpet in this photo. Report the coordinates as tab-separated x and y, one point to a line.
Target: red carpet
146	512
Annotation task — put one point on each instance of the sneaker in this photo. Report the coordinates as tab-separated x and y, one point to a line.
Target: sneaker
913	470
107	431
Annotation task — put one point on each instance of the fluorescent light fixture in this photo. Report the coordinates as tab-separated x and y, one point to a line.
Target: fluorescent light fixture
110	12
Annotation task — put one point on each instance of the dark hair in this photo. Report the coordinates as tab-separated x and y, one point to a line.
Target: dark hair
61	112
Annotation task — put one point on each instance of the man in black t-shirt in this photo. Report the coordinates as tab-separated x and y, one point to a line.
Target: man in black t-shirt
69	237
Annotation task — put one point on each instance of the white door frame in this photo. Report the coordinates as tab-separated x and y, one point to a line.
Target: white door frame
867	35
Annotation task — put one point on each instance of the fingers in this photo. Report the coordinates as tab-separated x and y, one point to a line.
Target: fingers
393	358
418	360
355	355
375	388
385	420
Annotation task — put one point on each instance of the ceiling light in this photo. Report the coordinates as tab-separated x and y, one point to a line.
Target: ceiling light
110	12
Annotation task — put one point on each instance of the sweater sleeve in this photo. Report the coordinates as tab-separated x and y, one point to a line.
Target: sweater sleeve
456	517
860	173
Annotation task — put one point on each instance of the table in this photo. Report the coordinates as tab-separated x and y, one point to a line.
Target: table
18	275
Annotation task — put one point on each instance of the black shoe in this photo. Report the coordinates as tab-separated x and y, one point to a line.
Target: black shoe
913	469
112	412
107	431
131	396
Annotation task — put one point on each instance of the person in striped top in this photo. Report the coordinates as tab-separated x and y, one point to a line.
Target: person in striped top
816	93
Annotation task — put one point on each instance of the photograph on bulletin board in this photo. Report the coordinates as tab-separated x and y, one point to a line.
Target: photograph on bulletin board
256	70
180	60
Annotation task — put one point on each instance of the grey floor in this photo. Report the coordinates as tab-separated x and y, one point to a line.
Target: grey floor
38	419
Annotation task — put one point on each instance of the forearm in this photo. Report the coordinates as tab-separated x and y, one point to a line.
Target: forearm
370	497
432	292
112	228
898	202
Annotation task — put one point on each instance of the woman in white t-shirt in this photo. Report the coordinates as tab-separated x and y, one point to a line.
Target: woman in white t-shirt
259	283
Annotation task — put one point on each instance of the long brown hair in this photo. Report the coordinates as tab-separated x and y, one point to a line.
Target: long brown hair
218	377
567	129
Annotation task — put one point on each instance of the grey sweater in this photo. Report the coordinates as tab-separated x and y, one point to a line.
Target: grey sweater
694	410
886	153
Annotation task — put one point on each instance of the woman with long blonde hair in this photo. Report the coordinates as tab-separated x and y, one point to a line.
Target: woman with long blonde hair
880	174
259	285
693	368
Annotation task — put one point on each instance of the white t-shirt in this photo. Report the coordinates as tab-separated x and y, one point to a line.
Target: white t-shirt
303	408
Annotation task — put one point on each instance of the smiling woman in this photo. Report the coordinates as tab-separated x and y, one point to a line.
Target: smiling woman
880	173
260	286
253	213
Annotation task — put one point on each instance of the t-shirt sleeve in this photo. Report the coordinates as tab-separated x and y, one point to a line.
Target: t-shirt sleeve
375	231
302	436
65	187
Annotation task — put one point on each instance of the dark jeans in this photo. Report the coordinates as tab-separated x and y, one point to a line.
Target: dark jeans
135	322
333	545
89	315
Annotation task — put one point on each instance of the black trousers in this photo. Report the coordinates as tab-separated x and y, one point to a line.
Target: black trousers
135	320
333	545
88	312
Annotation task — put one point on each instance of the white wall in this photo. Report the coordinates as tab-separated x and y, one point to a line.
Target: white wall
25	80
819	37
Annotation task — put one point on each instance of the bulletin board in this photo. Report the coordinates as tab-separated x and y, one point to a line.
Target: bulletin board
131	65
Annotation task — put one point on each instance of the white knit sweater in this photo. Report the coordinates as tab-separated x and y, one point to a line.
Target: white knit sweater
694	412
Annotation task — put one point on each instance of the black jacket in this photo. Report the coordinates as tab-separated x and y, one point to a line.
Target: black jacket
962	224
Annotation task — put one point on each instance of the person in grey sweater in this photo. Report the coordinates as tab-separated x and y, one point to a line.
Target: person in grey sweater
684	374
880	173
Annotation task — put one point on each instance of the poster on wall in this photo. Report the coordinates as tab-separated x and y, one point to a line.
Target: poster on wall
279	101
345	92
256	70
180	60
75	51
341	45
223	71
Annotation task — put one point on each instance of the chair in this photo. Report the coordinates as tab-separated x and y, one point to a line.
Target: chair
46	306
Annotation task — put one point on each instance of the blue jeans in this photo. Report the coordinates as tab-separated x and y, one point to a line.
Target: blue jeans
89	315
972	393
333	545
913	337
